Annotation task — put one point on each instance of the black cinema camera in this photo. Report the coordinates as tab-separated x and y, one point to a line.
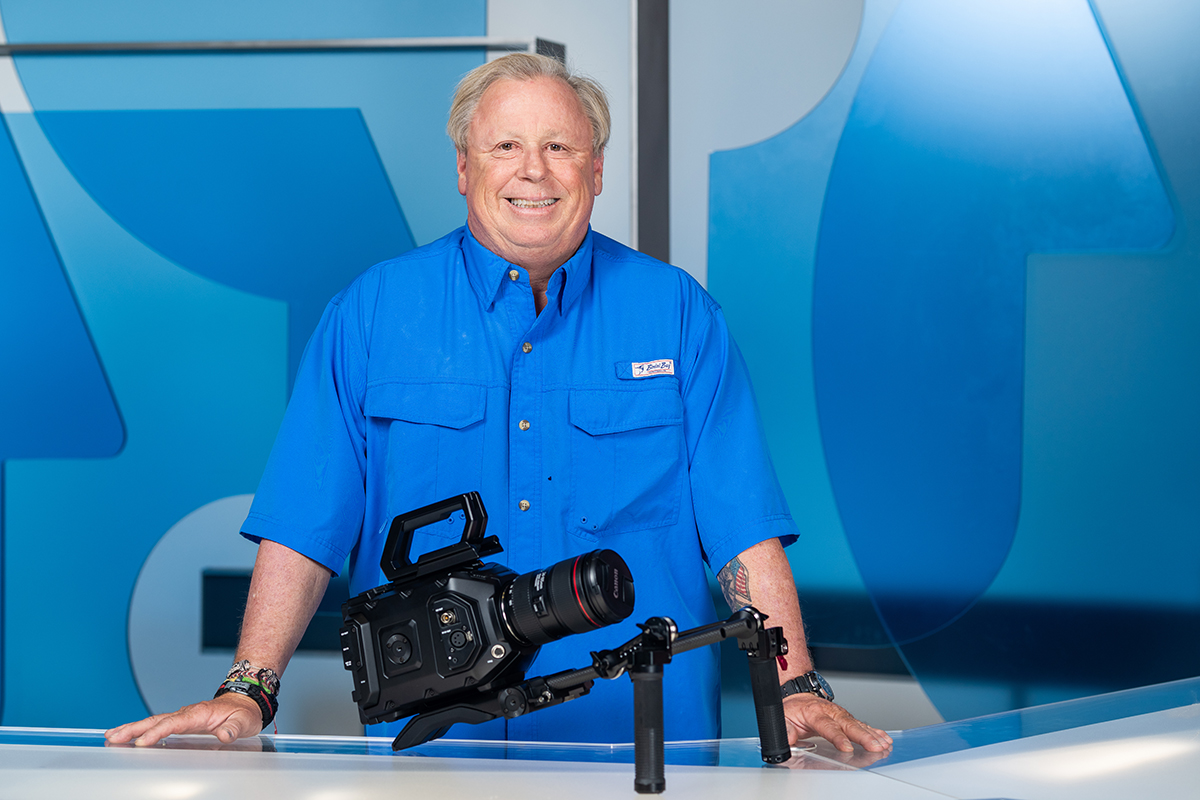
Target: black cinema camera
449	639
449	629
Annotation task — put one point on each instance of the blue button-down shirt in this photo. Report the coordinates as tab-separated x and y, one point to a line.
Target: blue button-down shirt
620	417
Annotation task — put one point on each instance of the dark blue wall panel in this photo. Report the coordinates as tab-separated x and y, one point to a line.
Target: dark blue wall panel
283	203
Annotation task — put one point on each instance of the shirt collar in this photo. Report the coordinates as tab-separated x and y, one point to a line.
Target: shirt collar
486	271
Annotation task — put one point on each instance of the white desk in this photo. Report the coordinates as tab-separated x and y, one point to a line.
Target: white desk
1142	743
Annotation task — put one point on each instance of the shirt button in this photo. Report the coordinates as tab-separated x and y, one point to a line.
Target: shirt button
523	505
527	348
523	424
513	274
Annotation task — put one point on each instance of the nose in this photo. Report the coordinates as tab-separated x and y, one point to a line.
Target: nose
533	166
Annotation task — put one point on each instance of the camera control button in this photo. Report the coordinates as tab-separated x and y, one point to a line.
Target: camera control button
523	505
398	649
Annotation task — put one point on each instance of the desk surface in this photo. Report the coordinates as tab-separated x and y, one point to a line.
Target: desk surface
1144	742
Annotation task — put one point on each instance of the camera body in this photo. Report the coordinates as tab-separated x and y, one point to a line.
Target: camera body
450	629
409	647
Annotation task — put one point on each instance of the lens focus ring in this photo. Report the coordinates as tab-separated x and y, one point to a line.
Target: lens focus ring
573	596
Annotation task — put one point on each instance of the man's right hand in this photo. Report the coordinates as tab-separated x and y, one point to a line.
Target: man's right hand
229	717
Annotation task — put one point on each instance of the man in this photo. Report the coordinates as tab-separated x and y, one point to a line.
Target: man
591	394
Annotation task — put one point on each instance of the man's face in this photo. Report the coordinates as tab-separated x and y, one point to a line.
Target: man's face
529	174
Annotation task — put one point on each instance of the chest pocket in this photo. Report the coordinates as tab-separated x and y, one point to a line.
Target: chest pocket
433	434
627	459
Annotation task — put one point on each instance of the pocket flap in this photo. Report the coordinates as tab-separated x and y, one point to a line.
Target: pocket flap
450	405
599	411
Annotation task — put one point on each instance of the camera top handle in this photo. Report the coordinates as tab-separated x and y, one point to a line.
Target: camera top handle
473	546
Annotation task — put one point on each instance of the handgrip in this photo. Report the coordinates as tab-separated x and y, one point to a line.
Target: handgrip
649	776
395	559
768	707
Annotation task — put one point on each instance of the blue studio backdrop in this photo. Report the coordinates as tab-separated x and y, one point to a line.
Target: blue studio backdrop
966	284
977	351
173	226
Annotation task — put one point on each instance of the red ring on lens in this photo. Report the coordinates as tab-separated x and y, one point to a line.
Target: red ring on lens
575	588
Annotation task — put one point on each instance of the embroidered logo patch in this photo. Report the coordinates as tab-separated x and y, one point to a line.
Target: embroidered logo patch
644	369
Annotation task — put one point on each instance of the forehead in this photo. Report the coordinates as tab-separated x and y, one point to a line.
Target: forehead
540	107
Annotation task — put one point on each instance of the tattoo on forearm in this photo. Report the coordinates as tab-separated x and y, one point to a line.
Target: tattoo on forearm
735	583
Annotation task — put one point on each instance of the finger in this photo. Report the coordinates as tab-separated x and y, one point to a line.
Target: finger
837	725
812	715
130	730
237	717
882	736
179	722
224	718
238	724
871	739
851	730
835	732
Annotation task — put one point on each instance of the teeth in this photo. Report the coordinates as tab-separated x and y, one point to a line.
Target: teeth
533	203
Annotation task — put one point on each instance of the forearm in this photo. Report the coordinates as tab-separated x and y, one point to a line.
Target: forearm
285	590
761	577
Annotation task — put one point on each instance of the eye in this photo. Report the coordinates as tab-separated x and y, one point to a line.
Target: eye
507	146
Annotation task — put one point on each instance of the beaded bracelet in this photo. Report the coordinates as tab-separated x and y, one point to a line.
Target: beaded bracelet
264	677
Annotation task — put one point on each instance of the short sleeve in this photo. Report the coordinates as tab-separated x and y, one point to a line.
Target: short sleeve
311	497
736	495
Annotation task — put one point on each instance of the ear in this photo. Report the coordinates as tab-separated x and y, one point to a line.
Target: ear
462	173
598	172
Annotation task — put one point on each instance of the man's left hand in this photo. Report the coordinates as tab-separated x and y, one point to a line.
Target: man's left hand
808	715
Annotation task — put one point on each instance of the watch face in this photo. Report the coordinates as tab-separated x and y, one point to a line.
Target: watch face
808	683
818	685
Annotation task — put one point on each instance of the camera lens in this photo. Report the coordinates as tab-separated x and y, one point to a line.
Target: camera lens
576	595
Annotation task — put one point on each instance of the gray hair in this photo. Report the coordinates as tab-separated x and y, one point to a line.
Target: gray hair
527	67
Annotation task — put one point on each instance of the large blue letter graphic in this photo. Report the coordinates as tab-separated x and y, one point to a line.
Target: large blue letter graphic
1015	138
54	400
287	204
248	198
977	134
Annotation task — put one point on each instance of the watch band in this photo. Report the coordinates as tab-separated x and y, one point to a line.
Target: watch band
260	684
808	683
267	705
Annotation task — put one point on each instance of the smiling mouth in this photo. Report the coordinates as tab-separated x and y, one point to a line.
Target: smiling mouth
532	203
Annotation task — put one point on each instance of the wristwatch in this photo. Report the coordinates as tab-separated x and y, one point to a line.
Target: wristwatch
808	683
